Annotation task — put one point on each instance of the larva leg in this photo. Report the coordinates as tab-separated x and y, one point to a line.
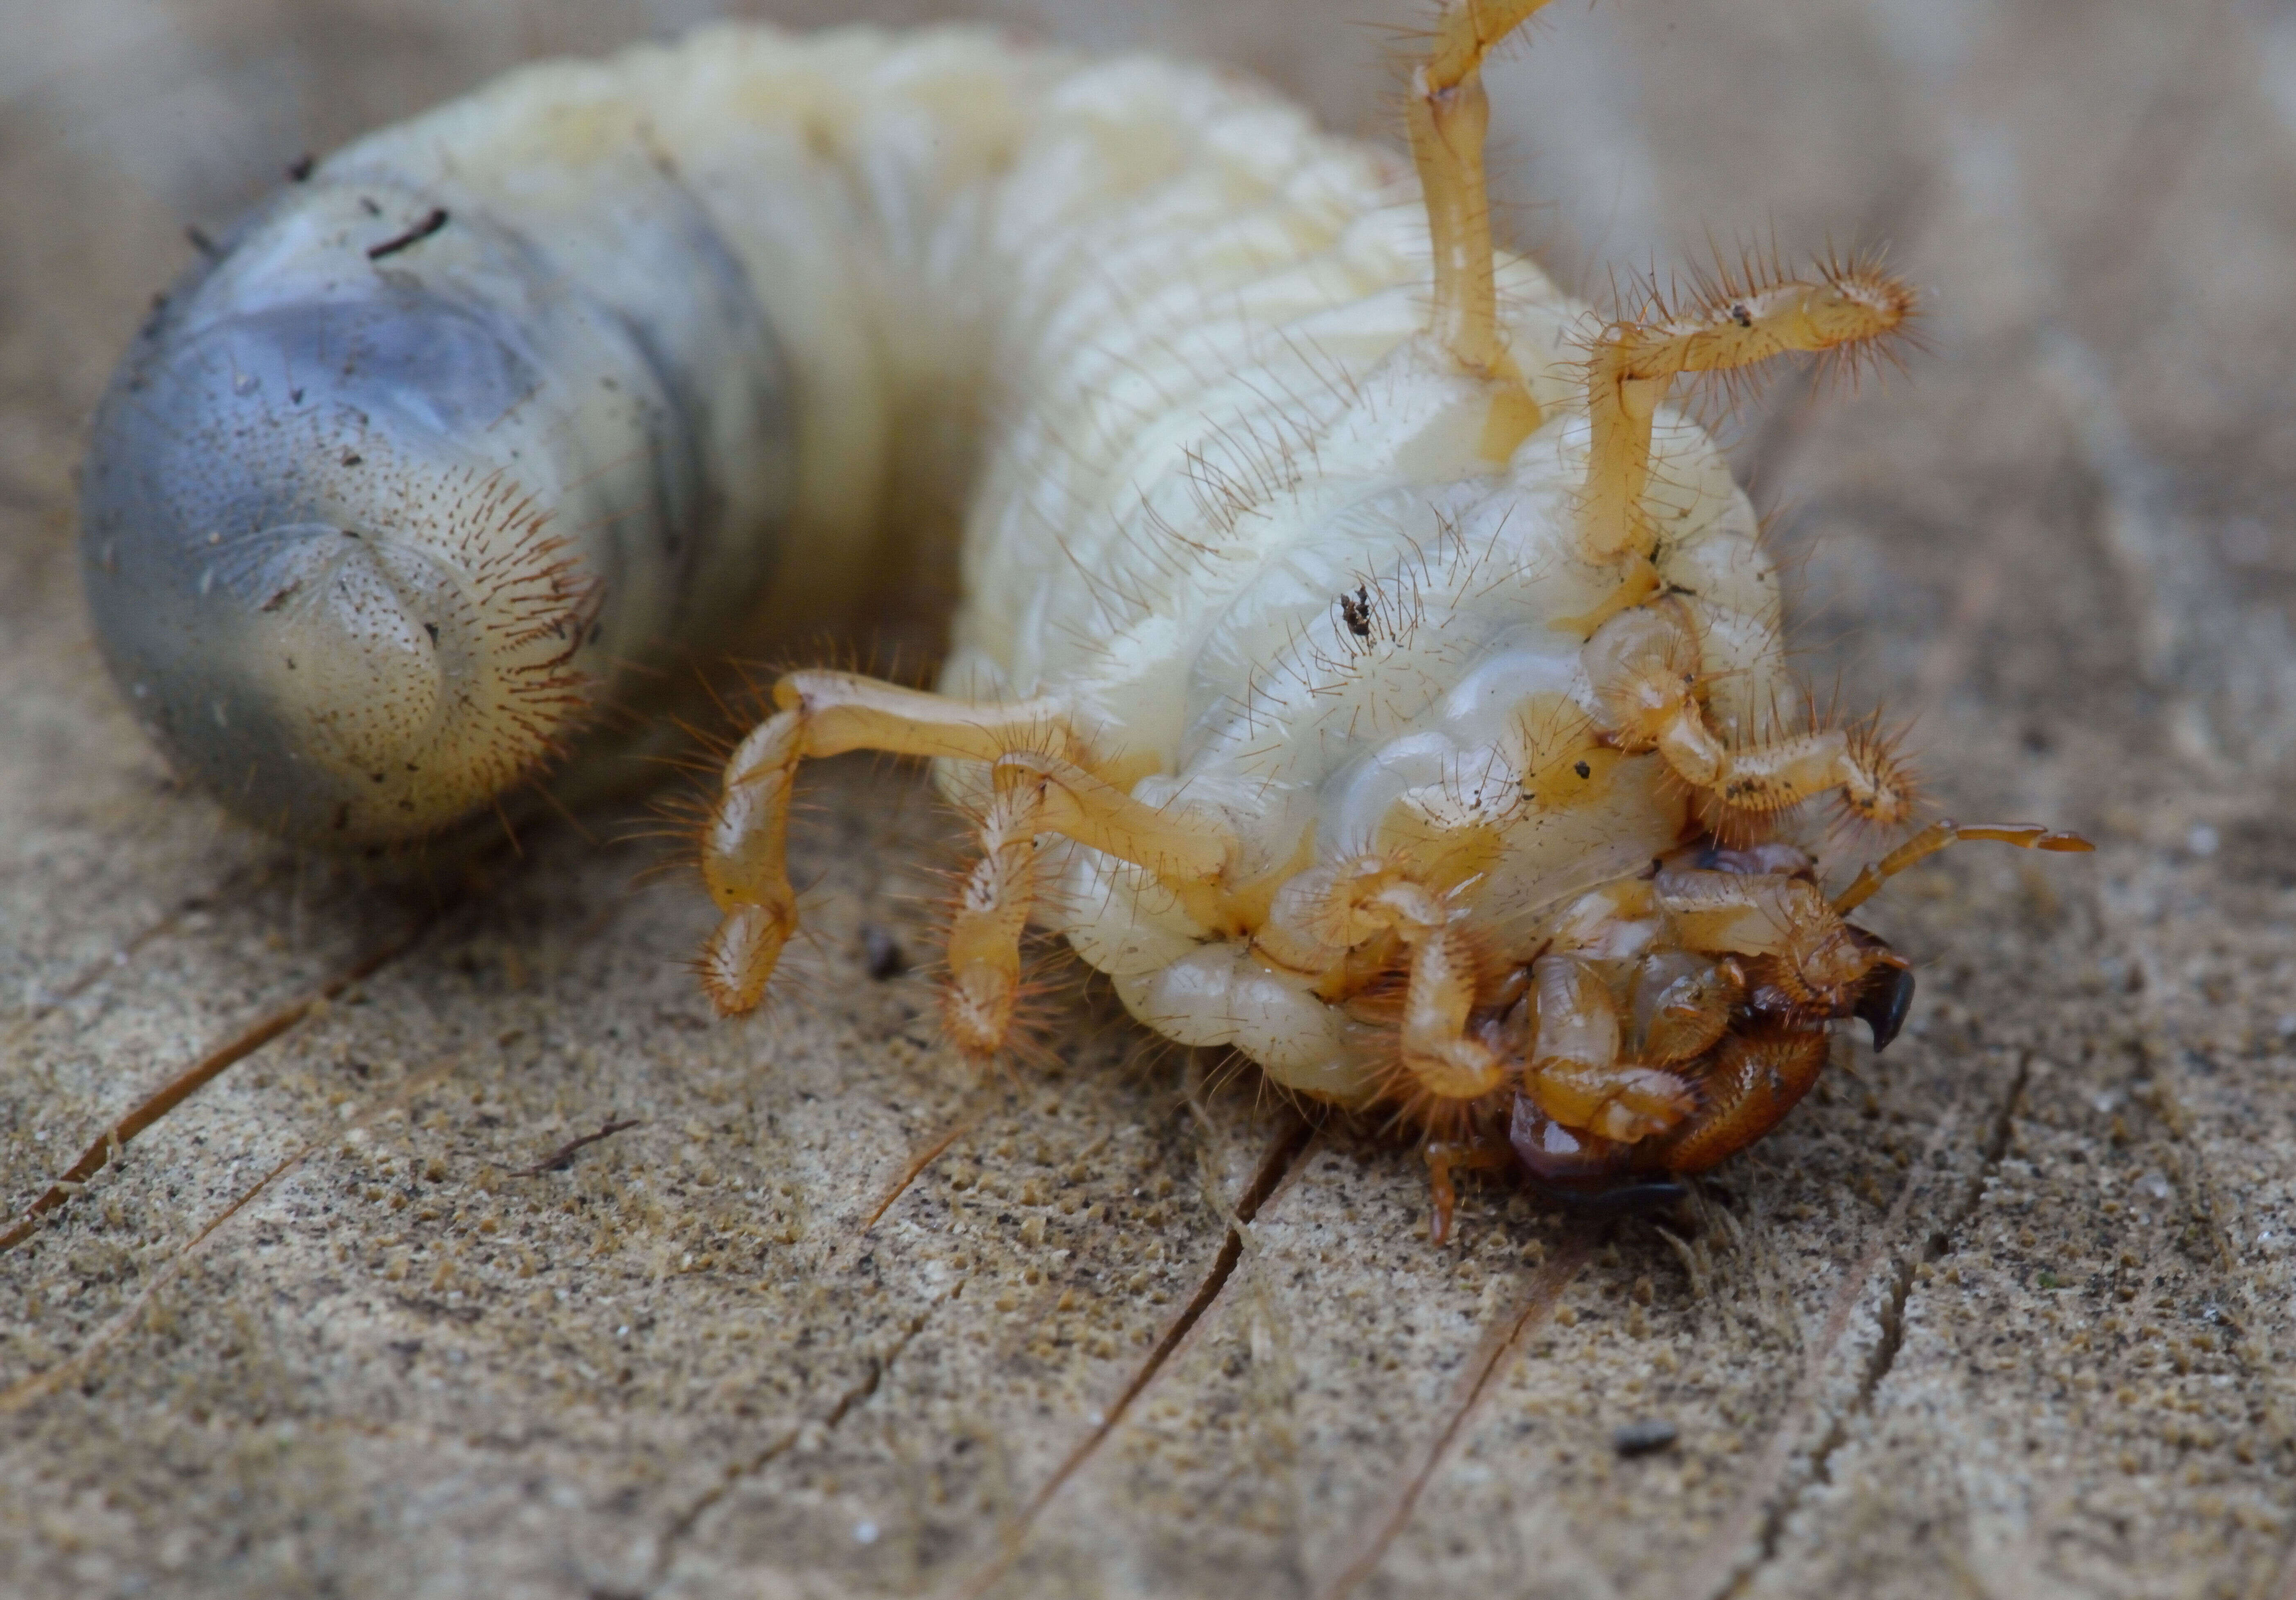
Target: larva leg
1186	849
745	844
992	910
1643	668
1733	322
1033	794
1575	1072
1449	117
1043	782
1320	916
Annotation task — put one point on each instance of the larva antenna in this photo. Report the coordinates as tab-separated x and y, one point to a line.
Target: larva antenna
1939	835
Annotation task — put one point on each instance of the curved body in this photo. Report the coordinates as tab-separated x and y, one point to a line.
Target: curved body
1330	669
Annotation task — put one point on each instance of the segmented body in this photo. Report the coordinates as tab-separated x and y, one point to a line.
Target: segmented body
1330	674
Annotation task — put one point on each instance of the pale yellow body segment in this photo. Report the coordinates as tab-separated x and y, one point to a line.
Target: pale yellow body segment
1188	329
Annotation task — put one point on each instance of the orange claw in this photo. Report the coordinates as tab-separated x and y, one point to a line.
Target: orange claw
1443	1155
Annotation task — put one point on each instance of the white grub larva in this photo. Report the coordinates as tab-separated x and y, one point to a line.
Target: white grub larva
1360	659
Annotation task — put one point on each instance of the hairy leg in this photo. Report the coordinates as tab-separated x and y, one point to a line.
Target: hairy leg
1043	780
745	842
1448	116
1643	666
1736	321
1034	794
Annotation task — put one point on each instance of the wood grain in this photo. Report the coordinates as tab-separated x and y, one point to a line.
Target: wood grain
2009	1311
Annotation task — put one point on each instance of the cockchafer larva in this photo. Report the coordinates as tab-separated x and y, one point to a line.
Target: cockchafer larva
1387	689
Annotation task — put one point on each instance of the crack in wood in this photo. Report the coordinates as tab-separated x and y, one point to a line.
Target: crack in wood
2196	1183
1500	1346
27	1389
108	1144
2203	1199
1283	1155
681	1526
1760	1516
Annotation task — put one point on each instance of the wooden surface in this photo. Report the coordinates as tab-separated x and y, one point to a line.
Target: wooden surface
2008	1312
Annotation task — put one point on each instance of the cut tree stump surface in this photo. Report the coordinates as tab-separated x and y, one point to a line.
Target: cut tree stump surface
2007	1311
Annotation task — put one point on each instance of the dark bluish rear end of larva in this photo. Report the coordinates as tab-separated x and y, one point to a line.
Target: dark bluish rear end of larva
384	497
208	508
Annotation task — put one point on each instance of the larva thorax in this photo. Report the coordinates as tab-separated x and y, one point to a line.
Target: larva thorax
1315	590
